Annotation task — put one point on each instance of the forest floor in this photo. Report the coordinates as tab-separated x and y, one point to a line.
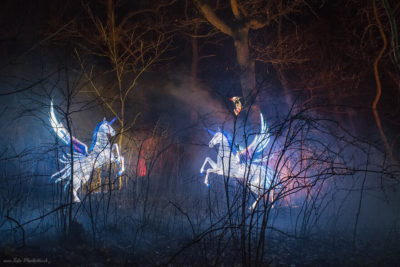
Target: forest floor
281	251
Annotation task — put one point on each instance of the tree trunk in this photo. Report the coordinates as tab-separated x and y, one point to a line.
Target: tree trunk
246	64
195	62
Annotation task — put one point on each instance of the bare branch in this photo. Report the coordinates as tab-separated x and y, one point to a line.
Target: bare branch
212	17
235	9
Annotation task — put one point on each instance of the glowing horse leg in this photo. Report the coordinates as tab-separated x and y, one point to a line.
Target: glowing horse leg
271	199
214	168
209	160
271	196
115	147
122	163
80	178
75	195
120	160
255	203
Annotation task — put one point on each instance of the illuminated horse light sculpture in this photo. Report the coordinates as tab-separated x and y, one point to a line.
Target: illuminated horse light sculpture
259	177
85	161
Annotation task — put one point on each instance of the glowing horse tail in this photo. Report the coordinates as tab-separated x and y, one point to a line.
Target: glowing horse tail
65	172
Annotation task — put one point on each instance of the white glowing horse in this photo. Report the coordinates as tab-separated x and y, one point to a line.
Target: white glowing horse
257	177
86	161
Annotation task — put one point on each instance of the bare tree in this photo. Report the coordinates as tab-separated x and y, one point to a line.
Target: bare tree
131	45
247	16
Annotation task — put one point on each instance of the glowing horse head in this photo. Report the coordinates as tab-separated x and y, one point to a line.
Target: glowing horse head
105	127
100	134
219	137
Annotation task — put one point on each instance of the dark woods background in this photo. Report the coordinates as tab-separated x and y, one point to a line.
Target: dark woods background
325	75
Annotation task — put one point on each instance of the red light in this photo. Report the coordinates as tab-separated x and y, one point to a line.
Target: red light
142	167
